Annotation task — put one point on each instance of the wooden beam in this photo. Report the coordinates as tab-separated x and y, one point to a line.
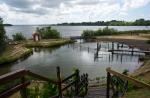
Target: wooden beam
128	78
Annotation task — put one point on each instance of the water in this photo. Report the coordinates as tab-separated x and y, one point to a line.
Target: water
66	31
44	60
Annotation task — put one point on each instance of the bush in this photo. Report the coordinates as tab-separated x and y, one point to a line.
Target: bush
88	34
2	36
18	37
100	32
48	32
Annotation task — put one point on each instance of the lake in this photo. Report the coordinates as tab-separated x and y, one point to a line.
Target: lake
44	60
66	31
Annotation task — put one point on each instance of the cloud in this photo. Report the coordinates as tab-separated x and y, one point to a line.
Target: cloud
129	4
56	11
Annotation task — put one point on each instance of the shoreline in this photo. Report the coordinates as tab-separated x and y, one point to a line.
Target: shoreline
23	49
16	52
48	43
138	42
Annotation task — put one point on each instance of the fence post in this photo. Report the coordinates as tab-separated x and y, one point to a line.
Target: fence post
23	92
108	84
59	82
77	79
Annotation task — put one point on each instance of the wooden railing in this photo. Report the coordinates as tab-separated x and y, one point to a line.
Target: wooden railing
125	79
22	85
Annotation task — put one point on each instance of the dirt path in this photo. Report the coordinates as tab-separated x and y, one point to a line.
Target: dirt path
137	41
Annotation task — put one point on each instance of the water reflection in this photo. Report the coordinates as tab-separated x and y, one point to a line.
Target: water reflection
79	55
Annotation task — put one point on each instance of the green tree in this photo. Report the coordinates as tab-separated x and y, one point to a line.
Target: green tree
2	36
18	37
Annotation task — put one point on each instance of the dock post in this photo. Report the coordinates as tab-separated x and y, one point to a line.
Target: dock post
132	51
117	46
122	45
112	47
59	82
108	84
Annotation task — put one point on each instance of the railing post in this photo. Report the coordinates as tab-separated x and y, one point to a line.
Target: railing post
59	82
23	92
108	84
77	77
86	81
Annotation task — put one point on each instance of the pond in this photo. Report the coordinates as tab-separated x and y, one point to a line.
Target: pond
78	55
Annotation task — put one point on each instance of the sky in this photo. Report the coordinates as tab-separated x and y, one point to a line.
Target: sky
59	11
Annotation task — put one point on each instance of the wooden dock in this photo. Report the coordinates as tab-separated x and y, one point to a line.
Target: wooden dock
131	51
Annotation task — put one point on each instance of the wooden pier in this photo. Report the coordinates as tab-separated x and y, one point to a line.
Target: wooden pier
131	51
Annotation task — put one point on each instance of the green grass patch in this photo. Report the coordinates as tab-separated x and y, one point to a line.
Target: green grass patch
48	43
8	56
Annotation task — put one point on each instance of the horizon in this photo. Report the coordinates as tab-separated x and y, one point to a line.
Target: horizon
31	12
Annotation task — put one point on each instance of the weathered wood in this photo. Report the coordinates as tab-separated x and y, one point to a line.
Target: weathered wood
128	78
13	90
135	51
69	85
59	82
23	91
12	76
69	77
40	77
21	74
108	85
77	77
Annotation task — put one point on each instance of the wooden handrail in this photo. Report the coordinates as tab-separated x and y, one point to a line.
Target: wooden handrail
14	89
12	76
29	73
69	77
128	78
22	73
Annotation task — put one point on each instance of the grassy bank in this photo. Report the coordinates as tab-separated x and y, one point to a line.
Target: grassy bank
13	53
48	43
88	34
141	74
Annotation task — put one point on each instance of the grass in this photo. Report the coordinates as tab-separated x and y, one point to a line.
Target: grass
48	43
138	93
15	52
12	54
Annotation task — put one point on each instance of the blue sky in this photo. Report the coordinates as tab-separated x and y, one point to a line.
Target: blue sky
58	11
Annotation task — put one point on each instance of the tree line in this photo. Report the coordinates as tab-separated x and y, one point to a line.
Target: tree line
138	22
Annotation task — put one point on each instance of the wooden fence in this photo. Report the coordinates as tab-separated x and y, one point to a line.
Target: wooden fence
124	80
77	82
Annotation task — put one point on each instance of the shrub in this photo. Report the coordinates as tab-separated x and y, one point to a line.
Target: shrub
18	37
2	36
100	32
88	34
48	32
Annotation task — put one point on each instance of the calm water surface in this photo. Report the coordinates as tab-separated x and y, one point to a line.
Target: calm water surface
68	57
66	31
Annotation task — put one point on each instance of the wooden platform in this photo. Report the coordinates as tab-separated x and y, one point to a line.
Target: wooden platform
132	51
